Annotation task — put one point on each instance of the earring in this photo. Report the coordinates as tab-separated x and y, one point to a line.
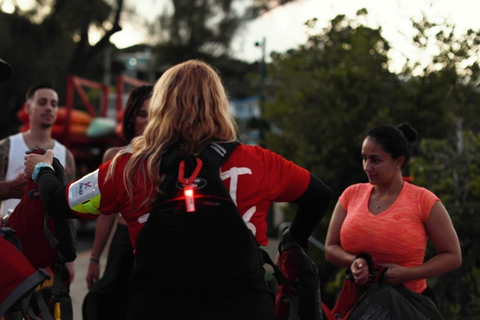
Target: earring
396	167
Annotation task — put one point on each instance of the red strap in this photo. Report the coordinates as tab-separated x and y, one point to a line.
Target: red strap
181	172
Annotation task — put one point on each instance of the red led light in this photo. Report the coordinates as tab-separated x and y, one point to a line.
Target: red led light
188	193
189	198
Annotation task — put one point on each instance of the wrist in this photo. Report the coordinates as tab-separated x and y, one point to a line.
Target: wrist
368	260
38	167
355	259
94	259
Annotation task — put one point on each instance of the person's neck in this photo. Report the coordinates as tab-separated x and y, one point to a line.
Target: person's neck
39	138
391	189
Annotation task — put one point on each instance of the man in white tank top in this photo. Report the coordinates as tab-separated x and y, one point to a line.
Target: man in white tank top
41	106
15	166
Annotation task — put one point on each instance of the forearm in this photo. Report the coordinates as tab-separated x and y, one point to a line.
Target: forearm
52	193
12	189
5	191
438	265
336	255
102	232
311	208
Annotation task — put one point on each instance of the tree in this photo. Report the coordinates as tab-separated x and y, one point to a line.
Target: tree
444	89
77	19
204	30
324	94
446	98
450	168
49	41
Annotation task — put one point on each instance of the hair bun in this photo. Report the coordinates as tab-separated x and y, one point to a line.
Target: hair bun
408	131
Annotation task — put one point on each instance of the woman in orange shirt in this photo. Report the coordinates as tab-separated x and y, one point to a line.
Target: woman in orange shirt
390	220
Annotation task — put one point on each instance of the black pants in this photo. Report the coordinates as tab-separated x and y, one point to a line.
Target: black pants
147	306
108	299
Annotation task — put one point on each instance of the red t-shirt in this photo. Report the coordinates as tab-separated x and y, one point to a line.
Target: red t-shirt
396	235
255	177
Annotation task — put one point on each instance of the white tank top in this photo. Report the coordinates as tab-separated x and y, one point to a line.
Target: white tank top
16	160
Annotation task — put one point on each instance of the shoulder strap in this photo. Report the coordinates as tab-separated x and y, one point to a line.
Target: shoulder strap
215	154
27	285
212	156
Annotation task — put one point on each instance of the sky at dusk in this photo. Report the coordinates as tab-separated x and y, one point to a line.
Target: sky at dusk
283	28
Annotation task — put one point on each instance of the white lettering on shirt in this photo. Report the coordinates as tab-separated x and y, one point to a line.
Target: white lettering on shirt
233	173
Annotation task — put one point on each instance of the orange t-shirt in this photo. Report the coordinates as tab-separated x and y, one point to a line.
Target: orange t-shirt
396	235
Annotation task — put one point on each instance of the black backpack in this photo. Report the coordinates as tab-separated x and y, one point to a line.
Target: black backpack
197	246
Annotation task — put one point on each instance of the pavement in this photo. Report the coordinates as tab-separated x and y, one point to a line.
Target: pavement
78	288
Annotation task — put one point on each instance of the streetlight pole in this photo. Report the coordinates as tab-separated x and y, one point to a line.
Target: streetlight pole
271	229
263	75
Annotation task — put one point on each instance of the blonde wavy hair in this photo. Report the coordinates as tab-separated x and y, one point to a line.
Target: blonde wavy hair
189	109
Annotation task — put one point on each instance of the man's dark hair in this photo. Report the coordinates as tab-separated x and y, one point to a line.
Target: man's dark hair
31	91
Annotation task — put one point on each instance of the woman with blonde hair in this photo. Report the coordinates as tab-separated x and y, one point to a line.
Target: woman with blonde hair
189	111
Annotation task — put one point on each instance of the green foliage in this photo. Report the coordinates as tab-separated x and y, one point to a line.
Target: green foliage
325	94
78	15
37	53
444	89
447	161
48	42
450	169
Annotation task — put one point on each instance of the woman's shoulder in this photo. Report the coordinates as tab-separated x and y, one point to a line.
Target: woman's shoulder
256	151
249	148
120	161
259	158
111	152
244	152
419	191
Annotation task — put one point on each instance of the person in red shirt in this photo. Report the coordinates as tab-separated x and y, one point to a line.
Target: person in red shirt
188	111
390	220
